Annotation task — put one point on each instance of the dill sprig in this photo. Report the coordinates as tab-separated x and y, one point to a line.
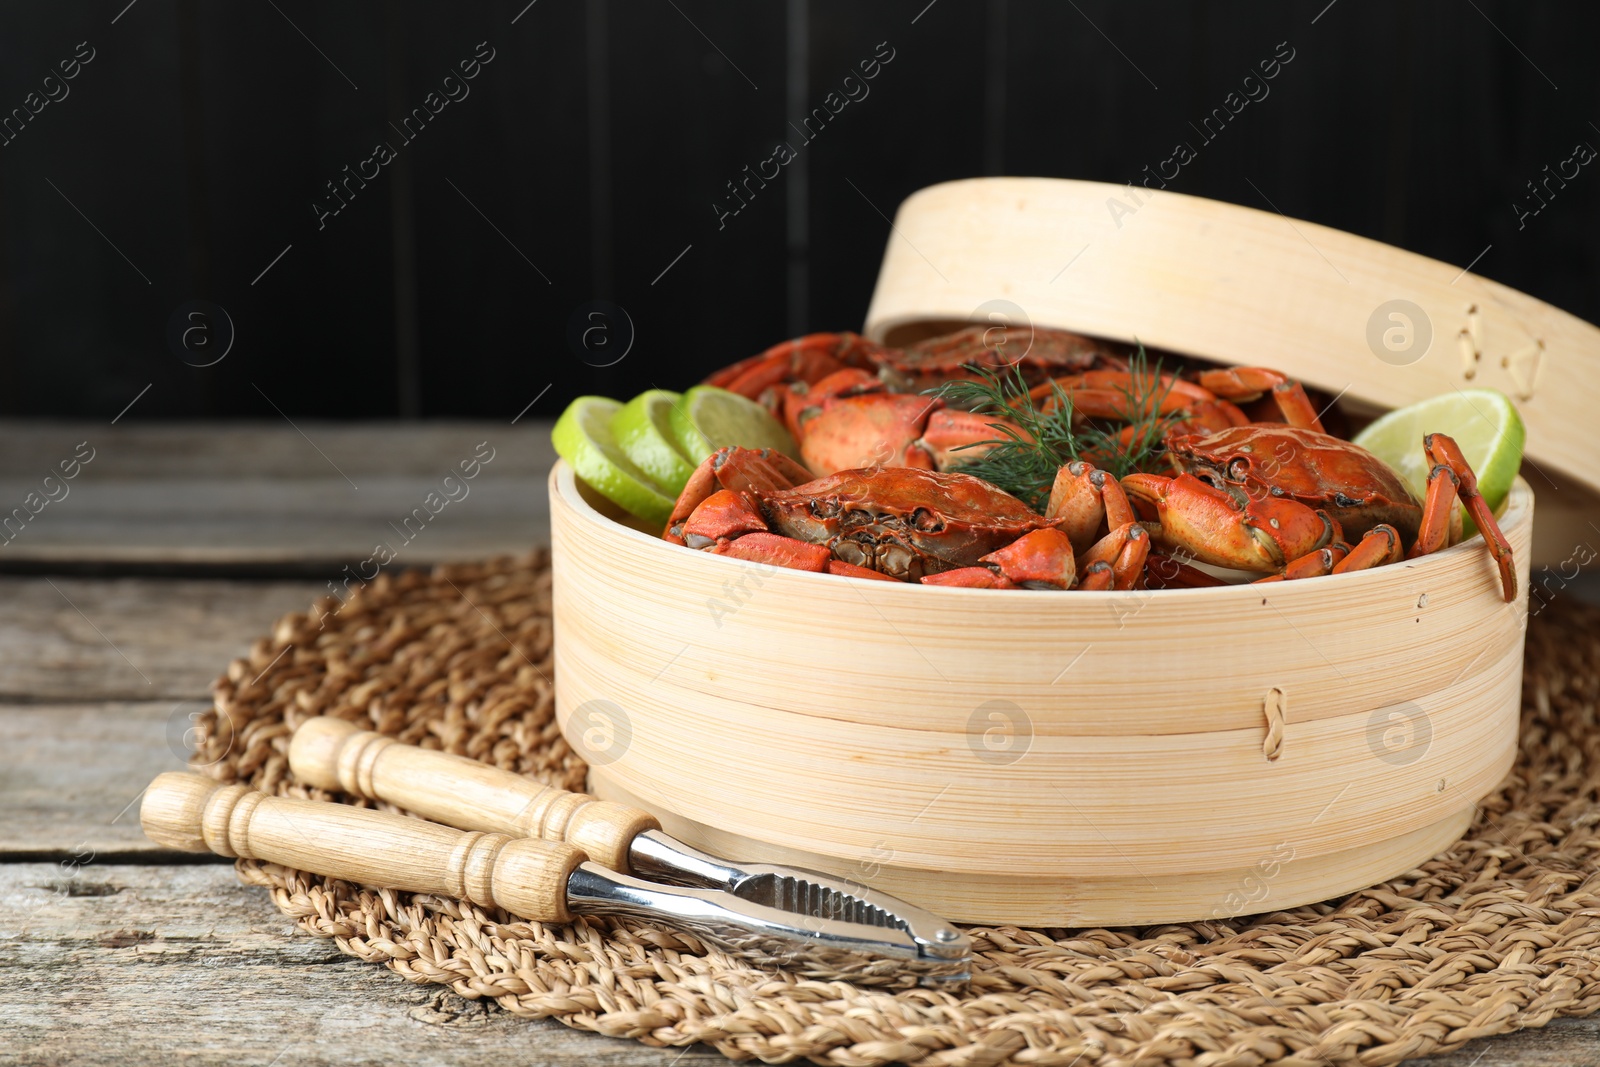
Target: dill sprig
1025	459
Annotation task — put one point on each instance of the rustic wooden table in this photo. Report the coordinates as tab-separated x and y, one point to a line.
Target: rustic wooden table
124	595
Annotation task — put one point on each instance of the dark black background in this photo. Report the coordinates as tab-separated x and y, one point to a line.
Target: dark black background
600	135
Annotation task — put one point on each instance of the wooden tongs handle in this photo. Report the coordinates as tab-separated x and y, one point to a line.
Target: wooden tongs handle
524	876
336	755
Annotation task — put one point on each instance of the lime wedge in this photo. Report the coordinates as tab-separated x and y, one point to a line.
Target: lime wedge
709	418
582	437
1483	422
643	430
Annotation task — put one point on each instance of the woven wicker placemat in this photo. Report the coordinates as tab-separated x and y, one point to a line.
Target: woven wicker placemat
1499	933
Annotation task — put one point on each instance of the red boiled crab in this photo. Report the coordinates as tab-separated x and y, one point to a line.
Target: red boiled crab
1285	499
908	524
1298	503
1282	497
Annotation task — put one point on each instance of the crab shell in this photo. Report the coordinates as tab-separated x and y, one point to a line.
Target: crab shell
901	521
877	429
1037	352
1355	488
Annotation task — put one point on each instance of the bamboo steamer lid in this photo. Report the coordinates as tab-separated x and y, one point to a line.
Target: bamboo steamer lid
1237	285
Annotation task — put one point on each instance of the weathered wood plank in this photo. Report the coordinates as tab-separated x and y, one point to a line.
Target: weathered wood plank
1564	1043
73	775
134	964
121	964
236	494
75	639
271	449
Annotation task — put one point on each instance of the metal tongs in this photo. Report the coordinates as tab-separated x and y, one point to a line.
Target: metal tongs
543	853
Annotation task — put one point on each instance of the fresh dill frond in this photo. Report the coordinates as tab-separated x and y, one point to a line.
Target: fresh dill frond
1146	391
1025	458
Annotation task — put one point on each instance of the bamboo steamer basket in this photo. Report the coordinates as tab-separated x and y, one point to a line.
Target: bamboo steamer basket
1077	759
1072	759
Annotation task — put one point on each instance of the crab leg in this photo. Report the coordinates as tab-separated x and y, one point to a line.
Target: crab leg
1380	545
1210	402
1245	383
1107	394
1451	479
775	549
1120	382
1323	561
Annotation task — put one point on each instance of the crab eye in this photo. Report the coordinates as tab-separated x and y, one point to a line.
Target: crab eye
1238	469
824	508
926	521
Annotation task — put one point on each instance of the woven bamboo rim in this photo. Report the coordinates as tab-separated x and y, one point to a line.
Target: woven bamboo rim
1497	934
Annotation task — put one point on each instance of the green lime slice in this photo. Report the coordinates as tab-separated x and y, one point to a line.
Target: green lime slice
582	437
709	418
1483	422
643	429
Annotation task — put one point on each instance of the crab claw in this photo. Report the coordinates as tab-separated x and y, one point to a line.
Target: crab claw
741	469
1125	550
1226	527
1085	501
1098	576
970	578
1039	560
722	515
777	550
